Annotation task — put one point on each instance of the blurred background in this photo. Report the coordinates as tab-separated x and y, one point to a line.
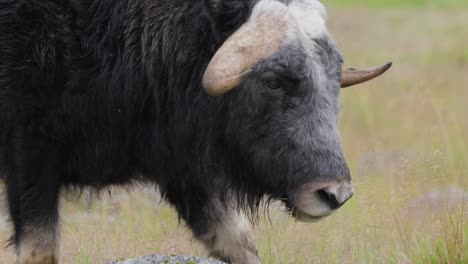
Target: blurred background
406	141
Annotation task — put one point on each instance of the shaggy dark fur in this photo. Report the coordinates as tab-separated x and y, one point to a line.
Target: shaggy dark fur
101	92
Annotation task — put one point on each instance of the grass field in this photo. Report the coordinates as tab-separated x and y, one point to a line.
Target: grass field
405	135
398	3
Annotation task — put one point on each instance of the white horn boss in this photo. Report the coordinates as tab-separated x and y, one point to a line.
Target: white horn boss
260	37
255	40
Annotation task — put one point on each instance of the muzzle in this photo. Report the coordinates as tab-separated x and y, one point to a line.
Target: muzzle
317	200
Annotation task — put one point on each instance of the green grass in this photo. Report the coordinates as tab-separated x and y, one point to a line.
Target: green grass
398	3
411	124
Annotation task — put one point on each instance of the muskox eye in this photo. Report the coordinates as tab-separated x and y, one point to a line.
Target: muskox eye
273	84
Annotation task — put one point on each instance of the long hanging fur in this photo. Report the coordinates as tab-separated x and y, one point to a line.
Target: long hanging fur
115	85
106	92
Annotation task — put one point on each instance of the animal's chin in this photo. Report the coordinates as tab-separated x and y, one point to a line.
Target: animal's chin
307	218
302	215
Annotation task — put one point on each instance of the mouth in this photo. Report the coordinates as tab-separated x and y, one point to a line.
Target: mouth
302	216
315	201
307	218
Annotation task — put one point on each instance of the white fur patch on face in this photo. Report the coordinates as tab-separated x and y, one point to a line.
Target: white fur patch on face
305	18
308	16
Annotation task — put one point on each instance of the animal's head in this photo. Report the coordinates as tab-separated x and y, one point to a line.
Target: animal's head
282	73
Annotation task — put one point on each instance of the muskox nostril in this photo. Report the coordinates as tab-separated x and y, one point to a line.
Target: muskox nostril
330	198
336	196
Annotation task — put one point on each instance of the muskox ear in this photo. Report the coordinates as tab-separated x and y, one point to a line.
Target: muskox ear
352	77
261	36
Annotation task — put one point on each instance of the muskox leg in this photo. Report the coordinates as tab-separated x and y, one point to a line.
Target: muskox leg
227	233
32	191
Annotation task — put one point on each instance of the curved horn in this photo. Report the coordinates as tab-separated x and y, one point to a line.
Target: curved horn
351	77
257	39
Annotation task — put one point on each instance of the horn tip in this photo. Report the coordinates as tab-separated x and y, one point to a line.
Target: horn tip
388	65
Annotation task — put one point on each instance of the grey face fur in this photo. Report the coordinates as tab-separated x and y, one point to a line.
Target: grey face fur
285	120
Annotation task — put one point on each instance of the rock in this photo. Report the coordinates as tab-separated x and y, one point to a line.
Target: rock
158	259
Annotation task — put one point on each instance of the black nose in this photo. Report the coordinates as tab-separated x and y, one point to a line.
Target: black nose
329	196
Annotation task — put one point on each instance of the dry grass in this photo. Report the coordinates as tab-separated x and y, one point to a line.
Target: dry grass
404	135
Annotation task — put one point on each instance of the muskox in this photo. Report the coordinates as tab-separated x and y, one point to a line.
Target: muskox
220	103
